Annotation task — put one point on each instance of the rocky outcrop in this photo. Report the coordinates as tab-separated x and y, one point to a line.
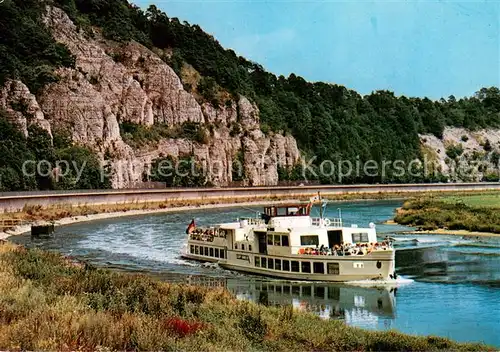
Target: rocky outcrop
22	106
115	83
463	155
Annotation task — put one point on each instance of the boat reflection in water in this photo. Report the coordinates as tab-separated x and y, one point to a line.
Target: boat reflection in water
360	306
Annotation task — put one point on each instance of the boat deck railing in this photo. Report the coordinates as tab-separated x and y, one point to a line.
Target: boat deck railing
253	221
345	251
333	222
207	234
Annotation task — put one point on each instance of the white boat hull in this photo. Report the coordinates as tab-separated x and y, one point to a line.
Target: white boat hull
374	266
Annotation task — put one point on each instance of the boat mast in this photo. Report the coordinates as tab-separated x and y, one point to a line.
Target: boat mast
320	207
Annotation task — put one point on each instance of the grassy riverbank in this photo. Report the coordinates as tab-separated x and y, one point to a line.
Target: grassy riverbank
475	213
49	303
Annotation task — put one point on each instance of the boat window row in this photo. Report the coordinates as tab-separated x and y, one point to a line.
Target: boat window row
297	266
208	251
278	240
291	210
243	247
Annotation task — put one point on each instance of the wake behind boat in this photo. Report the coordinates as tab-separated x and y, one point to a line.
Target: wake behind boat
286	242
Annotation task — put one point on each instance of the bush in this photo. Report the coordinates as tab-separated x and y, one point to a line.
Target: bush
209	89
181	327
487	146
454	151
252	324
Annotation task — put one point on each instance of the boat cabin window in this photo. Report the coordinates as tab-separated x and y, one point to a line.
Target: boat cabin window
318	268
333	269
217	252
250	247
359	237
295	266
309	240
257	261
211	252
192	249
270	263
286	265
306	267
222	254
277	240
277	264
242	247
284	241
196	250
264	262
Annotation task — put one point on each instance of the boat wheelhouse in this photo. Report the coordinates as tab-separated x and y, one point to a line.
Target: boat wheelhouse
286	242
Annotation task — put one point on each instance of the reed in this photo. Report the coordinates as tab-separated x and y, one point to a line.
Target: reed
48	302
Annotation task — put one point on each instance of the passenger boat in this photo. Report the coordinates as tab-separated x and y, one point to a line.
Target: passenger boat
286	242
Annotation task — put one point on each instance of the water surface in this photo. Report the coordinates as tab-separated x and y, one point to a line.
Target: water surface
450	286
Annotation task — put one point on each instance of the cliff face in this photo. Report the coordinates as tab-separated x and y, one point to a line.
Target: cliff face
129	83
464	155
22	106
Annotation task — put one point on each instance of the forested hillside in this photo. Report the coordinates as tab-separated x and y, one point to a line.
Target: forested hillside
15	149
327	120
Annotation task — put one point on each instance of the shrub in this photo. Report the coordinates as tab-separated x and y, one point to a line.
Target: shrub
182	327
454	151
252	324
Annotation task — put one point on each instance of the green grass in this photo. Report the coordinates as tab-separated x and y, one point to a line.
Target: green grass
48	302
473	213
479	200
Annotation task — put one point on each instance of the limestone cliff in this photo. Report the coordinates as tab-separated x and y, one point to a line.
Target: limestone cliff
22	106
464	155
115	83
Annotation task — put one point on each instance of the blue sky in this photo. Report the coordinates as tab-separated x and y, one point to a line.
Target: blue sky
414	48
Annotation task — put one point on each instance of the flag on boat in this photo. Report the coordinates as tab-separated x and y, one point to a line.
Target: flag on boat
190	227
314	199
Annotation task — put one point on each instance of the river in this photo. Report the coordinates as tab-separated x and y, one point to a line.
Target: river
449	286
